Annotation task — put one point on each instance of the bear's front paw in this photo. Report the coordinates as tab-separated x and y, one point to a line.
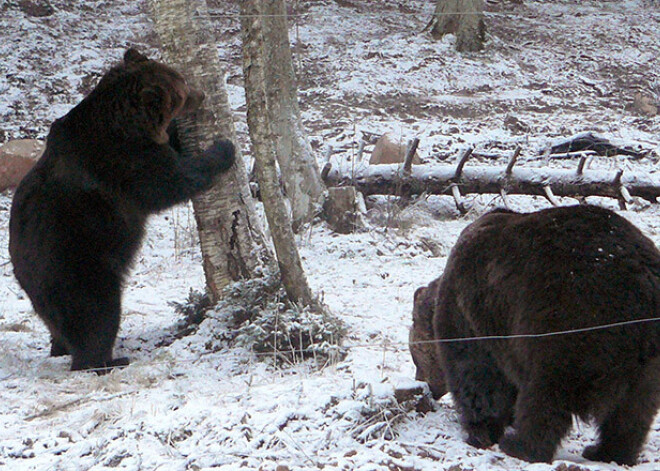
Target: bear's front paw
482	434
513	445
222	154
479	440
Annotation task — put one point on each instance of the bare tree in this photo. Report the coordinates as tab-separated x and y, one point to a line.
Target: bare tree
263	144
231	237
464	18
300	172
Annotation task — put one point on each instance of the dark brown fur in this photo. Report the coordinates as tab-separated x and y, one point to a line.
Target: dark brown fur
78	217
553	270
424	353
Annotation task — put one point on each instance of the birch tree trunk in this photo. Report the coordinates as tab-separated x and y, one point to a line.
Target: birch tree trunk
261	135
465	19
300	171
231	237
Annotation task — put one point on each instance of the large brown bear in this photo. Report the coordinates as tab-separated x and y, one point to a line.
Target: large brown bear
78	217
554	270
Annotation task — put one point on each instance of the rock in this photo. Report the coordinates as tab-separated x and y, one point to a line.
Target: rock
416	395
570	467
390	150
16	159
436	249
645	104
344	209
516	126
36	8
409	392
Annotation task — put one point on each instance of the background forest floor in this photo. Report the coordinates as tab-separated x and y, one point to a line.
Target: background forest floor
550	69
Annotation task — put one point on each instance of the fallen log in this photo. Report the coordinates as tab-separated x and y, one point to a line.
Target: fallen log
588	141
440	179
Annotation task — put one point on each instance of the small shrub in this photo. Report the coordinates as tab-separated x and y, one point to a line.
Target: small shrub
260	318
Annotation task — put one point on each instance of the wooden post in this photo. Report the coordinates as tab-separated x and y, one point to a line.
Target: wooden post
456	193
581	164
461	163
407	163
512	161
505	199
360	151
550	195
624	194
328	166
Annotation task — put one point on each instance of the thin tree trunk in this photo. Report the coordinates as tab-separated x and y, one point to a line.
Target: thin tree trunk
464	18
261	135
300	171
231	237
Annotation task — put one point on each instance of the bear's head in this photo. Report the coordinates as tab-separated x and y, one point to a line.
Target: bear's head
146	95
421	344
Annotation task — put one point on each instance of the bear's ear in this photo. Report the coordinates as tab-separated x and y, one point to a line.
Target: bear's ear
419	292
132	56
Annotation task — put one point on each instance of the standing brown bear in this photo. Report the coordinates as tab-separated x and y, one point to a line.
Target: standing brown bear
78	217
521	275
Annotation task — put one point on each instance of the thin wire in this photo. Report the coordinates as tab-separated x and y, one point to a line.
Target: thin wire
338	15
535	336
386	344
326	15
238	16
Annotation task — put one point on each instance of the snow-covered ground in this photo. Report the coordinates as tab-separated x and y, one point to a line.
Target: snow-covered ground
189	403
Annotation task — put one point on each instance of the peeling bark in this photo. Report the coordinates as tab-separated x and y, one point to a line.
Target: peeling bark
262	137
300	172
231	237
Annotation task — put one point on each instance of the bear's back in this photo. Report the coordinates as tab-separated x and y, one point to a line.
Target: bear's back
558	270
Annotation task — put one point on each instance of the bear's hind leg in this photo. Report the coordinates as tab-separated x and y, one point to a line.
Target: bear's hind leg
92	322
623	431
58	347
539	425
50	312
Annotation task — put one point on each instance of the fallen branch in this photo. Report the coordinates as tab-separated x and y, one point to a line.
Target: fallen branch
439	179
461	162
410	155
512	161
328	165
458	198
549	194
587	141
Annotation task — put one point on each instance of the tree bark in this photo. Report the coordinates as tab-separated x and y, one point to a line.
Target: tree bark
465	19
300	171
441	179
231	237
262	137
